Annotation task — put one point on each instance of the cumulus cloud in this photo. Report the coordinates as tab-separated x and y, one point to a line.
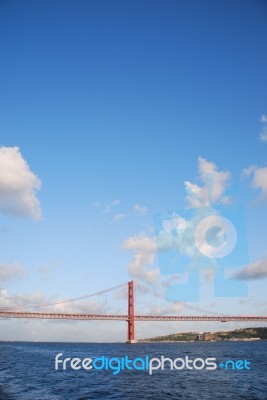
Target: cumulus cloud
259	179
141	243
18	185
140	210
214	185
255	270
263	118
11	272
144	248
138	267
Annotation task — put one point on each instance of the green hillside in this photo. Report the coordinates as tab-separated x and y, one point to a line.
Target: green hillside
238	334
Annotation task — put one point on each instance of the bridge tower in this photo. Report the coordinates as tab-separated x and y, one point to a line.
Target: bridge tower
130	320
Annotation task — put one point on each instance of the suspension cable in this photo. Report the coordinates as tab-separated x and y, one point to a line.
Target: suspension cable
169	300
67	300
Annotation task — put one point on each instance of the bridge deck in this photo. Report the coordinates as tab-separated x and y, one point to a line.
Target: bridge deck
46	315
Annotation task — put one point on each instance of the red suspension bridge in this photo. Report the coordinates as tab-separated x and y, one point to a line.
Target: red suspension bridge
81	309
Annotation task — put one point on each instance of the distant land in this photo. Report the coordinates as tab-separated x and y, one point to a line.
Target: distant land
245	334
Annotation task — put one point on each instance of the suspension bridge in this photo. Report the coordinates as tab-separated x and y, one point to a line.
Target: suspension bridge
128	301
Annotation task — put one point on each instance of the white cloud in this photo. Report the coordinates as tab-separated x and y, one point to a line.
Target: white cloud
20	300
140	210
110	205
144	248
119	217
259	179
255	270
141	243
137	267
83	307
11	272
215	183
170	280
247	171
18	185
263	137
38	301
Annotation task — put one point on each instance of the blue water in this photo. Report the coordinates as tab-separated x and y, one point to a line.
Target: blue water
27	372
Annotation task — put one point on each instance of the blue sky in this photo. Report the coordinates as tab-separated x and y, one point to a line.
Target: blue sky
111	104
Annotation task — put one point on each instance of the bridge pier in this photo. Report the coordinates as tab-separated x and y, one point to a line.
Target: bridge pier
130	320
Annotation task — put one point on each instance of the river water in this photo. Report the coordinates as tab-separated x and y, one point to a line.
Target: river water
27	371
